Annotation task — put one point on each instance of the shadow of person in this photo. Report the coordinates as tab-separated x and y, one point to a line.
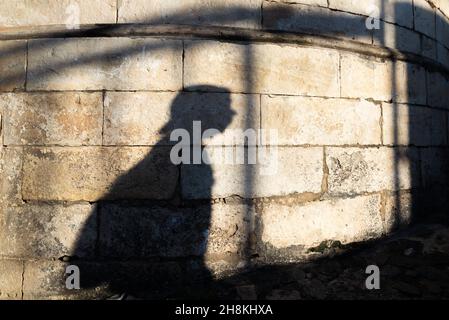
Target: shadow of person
150	238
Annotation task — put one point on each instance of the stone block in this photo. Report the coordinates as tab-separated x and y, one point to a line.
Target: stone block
69	12
104	64
435	169
153	231
52	118
148	118
424	17
92	173
345	220
412	125
438	90
11	279
230	13
360	170
317	121
262	68
48	230
279	171
304	18
13	64
394	11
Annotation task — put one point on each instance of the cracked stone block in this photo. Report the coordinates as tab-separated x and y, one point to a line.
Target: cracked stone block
359	170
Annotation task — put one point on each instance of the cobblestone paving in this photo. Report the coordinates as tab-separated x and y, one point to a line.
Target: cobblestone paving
413	265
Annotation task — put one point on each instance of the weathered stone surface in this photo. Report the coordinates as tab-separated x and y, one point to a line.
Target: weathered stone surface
429	47
230	228
395	11
52	231
136	118
12	64
302	120
11	279
297	170
398	211
46	280
365	78
262	68
438	90
393	36
104	63
91	173
424	18
101	280
43	12
322	3
345	220
435	169
359	170
147	118
298	17
382	80
232	13
10	170
404	124
211	230
443	55
52	118
151	231
409	83
442	28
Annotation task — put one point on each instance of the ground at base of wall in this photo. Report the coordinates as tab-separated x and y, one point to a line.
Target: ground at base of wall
412	265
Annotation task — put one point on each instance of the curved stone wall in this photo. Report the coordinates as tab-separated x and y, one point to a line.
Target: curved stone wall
360	119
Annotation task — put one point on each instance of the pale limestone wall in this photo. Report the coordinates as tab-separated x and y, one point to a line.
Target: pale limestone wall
357	136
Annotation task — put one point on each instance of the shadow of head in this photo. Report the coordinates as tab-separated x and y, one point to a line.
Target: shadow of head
207	106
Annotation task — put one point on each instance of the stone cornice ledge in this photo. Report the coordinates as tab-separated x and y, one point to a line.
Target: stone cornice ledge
216	33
